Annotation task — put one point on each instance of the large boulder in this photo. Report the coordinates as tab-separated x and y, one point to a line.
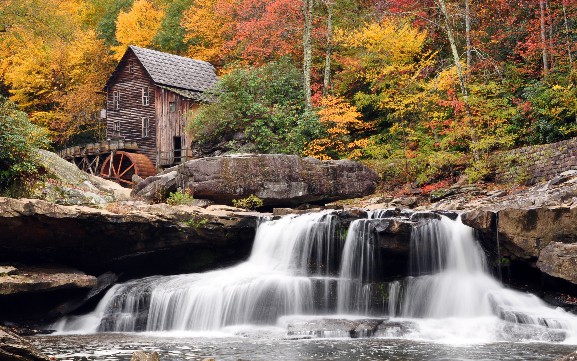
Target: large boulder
279	180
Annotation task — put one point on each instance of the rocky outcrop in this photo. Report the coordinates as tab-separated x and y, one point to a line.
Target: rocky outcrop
132	238
279	180
15	348
65	184
21	280
542	236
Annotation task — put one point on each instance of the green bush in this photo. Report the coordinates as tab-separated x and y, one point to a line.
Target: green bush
180	197
19	140
265	105
250	202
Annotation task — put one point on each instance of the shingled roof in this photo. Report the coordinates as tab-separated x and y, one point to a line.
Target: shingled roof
176	71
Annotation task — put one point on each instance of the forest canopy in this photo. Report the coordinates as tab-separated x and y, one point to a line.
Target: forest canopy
419	89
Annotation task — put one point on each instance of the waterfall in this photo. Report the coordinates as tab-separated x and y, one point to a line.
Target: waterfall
450	281
292	269
304	266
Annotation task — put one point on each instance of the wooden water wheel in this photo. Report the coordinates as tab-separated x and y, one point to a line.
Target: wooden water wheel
120	166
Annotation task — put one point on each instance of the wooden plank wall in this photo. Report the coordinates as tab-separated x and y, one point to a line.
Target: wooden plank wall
131	109
171	124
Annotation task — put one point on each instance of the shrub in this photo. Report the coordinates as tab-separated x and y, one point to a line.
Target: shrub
250	202
18	140
264	104
180	197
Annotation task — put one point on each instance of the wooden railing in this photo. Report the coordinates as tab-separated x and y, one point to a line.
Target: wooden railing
176	156
97	148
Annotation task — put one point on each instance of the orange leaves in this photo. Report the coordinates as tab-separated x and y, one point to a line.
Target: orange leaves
341	121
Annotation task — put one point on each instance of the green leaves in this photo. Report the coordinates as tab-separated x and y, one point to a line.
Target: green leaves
261	108
18	140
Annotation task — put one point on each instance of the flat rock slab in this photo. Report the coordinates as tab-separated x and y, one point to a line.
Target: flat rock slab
19	280
329	327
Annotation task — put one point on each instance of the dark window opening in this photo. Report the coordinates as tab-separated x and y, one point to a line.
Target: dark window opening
177	149
172	107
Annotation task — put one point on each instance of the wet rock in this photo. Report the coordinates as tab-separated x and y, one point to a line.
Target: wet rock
279	180
15	348
571	357
329	327
448	214
394	235
394	329
424	216
514	332
145	356
559	260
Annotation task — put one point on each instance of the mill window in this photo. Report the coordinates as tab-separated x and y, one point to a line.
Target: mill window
131	67
145	96
145	127
172	107
116	100
116	127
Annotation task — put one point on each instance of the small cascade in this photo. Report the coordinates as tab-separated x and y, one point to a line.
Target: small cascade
451	280
358	267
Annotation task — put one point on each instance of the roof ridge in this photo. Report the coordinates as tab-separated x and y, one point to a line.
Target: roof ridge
169	54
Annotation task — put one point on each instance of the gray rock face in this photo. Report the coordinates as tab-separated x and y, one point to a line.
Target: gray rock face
279	180
545	236
128	238
362	328
15	348
559	260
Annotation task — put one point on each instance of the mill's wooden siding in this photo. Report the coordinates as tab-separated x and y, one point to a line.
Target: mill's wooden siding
131	110
171	124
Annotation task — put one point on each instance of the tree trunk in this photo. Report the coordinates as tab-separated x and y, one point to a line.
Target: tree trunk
567	34
460	75
327	76
456	59
468	34
543	36
307	50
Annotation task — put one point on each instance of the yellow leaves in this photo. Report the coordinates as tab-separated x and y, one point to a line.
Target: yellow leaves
340	119
138	26
207	25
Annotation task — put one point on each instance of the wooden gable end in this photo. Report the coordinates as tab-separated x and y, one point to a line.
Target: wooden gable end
130	114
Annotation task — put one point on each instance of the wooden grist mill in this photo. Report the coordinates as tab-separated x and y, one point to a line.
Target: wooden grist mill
149	97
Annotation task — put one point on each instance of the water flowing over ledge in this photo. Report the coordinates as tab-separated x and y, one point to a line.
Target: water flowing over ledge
313	277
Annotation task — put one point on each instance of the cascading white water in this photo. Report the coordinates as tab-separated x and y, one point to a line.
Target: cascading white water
292	270
451	283
358	266
300	265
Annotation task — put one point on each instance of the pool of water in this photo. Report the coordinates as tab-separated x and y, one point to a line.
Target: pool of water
269	346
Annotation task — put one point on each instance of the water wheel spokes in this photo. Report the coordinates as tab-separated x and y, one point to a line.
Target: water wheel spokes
120	166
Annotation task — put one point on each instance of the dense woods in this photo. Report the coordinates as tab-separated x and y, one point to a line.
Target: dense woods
421	90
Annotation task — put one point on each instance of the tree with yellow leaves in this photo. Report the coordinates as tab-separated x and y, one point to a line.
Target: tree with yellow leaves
343	125
208	25
138	26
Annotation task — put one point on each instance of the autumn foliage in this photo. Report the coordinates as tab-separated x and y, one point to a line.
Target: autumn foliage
416	90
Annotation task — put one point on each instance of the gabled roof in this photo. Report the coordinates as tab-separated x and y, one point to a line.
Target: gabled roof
175	71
